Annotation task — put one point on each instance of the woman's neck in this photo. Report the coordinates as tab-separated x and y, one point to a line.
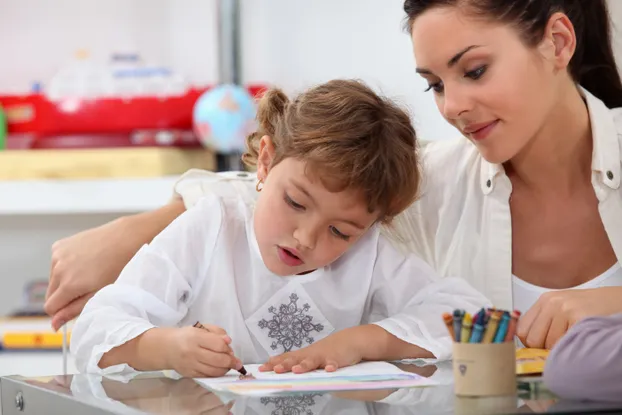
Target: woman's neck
560	155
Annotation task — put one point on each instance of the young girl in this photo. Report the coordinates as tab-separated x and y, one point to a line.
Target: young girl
300	278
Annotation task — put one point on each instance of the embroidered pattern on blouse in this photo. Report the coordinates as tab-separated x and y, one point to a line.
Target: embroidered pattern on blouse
290	326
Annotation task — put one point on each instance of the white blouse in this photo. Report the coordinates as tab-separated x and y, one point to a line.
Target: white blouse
462	225
206	267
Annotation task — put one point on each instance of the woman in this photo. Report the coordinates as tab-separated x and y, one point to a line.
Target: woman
526	208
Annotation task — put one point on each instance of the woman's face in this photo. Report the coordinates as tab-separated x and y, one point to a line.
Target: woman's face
487	83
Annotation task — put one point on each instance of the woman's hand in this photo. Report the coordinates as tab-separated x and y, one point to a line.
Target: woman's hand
556	311
84	263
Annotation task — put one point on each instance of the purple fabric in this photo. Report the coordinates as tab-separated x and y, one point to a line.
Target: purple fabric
586	364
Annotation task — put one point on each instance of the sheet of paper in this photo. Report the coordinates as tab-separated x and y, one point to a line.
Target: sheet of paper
367	375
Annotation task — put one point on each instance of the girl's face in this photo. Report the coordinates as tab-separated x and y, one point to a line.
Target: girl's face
487	83
299	224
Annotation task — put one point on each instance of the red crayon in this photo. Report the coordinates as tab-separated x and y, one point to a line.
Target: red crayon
514	316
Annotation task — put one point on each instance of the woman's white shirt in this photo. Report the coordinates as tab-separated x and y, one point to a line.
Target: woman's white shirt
462	225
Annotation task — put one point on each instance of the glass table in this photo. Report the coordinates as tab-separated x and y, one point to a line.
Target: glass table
164	393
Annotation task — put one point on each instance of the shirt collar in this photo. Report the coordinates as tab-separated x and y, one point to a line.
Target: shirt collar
605	153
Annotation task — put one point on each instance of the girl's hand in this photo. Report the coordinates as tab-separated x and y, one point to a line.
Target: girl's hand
331	353
556	311
197	352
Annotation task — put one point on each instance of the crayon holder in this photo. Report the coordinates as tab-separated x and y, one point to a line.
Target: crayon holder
484	369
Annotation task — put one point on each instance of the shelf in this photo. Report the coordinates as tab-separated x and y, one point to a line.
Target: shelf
58	197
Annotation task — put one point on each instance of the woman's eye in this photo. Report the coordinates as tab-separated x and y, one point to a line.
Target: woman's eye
437	87
476	73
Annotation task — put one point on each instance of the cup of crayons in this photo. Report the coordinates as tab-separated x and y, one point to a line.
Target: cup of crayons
484	352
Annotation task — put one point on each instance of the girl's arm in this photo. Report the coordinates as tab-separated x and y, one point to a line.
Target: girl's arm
408	300
155	289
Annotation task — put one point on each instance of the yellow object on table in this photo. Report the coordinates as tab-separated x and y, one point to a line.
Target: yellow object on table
33	340
530	361
102	163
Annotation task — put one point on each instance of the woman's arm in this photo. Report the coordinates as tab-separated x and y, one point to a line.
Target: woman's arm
84	263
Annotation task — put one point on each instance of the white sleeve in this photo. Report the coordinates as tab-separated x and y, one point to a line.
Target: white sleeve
155	288
408	299
195	184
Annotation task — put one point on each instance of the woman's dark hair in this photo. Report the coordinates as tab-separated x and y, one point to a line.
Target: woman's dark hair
593	65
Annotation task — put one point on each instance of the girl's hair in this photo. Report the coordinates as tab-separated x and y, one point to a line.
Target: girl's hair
349	137
593	65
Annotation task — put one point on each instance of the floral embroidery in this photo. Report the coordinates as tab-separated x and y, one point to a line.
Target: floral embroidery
292	405
290	326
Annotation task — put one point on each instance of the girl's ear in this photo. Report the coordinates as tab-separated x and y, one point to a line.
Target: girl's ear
265	157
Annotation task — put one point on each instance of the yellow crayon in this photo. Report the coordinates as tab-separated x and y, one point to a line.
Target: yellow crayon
491	328
467	323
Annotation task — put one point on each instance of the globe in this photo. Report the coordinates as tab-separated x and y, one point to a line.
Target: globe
223	117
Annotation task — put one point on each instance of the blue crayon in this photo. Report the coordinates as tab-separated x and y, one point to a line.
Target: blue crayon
458	316
478	328
503	328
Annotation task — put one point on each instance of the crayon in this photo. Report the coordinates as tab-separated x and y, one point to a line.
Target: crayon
467	323
458	315
449	320
514	316
503	328
478	328
491	328
487	314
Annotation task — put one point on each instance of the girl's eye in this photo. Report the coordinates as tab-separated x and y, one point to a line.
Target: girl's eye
292	203
338	234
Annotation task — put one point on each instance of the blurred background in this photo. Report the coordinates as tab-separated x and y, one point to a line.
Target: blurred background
105	103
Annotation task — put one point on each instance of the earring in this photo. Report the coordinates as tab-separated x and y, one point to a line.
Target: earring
259	185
